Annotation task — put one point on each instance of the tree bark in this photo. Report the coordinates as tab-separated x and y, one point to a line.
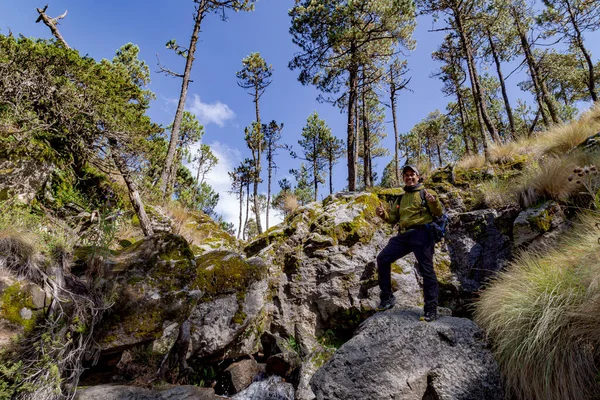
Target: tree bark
241	209
586	54
509	113
166	172
462	118
544	96
330	174
270	176
479	106
134	195
478	89
257	163
366	139
247	209
51	23
352	84
395	122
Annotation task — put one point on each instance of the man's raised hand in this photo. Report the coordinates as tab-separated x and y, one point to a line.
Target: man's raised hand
428	196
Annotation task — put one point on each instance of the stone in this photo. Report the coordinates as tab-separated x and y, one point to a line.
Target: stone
240	375
273	388
535	222
23	179
118	392
394	355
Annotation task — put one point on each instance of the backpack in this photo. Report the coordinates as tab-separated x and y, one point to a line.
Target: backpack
439	225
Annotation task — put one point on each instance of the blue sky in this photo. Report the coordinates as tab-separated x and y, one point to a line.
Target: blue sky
98	28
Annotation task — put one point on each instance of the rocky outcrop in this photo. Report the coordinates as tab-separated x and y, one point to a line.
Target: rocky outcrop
478	244
538	227
23	179
272	388
394	355
322	263
118	392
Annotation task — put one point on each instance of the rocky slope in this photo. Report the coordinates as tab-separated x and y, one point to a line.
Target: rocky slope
217	316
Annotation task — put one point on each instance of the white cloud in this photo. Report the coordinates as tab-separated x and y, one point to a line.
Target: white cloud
218	178
216	113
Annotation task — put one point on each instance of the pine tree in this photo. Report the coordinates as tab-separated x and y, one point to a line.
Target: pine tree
272	134
202	9
256	76
569	19
337	37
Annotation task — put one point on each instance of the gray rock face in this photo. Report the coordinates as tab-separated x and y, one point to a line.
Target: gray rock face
224	326
241	374
116	392
534	225
327	253
273	388
479	243
395	356
22	179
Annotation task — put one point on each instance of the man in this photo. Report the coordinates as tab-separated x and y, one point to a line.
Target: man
414	212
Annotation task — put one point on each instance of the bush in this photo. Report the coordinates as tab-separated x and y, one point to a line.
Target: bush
541	315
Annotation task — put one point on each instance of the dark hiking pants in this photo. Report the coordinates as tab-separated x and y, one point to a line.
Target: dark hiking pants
420	242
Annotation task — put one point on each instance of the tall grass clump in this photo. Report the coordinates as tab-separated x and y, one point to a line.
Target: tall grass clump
471	162
562	138
541	316
497	193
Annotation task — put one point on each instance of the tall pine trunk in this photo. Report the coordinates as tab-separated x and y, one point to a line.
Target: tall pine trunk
366	138
241	209
247	209
269	177
472	73
395	122
166	176
352	84
544	97
134	195
586	54
509	113
257	165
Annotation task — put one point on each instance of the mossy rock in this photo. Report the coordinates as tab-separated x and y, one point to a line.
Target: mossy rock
16	306
225	272
273	235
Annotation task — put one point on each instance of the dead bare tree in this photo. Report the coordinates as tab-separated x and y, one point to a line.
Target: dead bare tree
52	23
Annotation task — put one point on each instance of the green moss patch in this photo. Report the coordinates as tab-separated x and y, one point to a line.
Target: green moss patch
224	272
12	301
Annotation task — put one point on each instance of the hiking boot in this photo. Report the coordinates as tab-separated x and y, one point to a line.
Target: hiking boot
387	303
429	316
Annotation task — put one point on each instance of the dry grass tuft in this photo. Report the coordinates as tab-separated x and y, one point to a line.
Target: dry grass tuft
471	162
497	193
562	138
550	180
290	203
506	153
542	317
19	255
179	215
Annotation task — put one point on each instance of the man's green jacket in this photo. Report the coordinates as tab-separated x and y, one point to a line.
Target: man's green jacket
410	211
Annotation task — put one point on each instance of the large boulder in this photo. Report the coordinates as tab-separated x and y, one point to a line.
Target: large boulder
478	244
122	392
321	263
231	313
536	226
23	179
395	356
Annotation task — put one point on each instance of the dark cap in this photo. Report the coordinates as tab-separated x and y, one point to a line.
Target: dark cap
410	166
